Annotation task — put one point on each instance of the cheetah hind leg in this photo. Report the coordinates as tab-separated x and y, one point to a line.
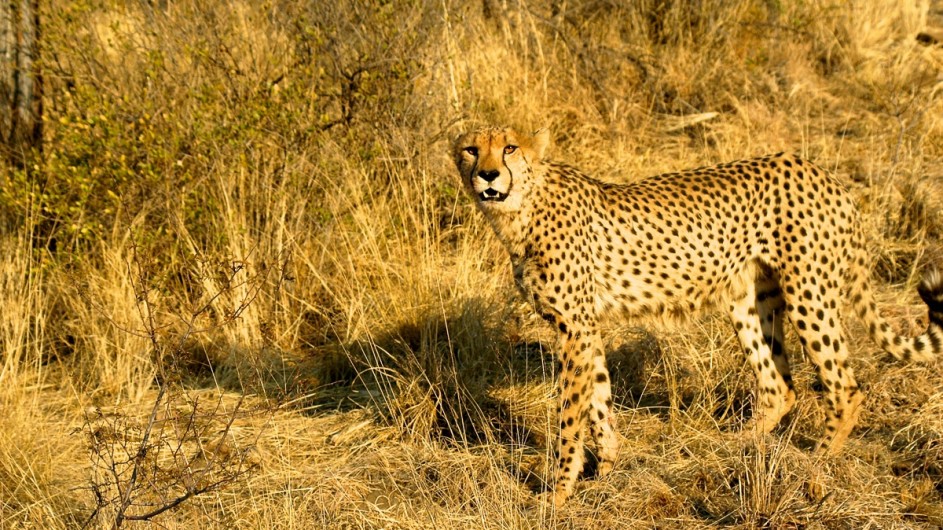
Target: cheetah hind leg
758	321
819	329
770	308
851	408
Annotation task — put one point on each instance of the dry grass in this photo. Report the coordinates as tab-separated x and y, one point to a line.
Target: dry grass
251	207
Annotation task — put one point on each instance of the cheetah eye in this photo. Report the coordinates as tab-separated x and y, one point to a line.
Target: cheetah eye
473	151
510	149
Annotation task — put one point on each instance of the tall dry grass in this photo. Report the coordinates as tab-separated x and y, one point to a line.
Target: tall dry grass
242	270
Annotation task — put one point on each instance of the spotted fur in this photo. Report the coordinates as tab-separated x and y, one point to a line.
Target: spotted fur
763	238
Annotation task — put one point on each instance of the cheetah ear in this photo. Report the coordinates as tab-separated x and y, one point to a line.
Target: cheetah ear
539	142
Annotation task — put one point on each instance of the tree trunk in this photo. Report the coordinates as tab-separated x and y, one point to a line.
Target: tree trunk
21	83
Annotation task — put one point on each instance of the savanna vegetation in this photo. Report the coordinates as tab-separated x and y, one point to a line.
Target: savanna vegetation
241	287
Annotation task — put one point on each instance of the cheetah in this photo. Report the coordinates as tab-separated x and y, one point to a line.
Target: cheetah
763	238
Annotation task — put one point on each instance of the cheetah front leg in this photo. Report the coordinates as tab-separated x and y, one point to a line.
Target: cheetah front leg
576	353
601	419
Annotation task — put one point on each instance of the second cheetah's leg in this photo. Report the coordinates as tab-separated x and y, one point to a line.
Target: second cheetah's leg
772	392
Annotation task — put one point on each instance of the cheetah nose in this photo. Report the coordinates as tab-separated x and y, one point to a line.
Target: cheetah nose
488	176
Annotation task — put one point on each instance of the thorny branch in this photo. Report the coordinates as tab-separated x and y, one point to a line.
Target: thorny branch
136	471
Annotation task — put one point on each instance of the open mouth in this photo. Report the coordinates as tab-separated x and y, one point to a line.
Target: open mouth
492	195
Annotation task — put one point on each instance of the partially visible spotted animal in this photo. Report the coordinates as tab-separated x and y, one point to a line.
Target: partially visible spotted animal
761	238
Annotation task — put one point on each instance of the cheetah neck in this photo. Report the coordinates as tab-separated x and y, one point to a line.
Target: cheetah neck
510	227
511	223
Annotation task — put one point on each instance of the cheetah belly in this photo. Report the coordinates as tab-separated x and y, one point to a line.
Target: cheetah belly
673	283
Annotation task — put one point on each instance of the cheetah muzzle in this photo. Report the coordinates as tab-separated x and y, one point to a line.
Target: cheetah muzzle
761	238
491	194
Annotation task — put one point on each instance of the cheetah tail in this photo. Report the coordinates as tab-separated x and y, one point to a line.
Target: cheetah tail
922	348
931	291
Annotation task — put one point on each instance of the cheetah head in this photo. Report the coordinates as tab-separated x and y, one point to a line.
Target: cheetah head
496	164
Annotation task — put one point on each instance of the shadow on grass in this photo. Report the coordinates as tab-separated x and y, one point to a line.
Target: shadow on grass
465	379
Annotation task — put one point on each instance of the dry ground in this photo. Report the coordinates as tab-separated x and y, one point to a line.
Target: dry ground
240	287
